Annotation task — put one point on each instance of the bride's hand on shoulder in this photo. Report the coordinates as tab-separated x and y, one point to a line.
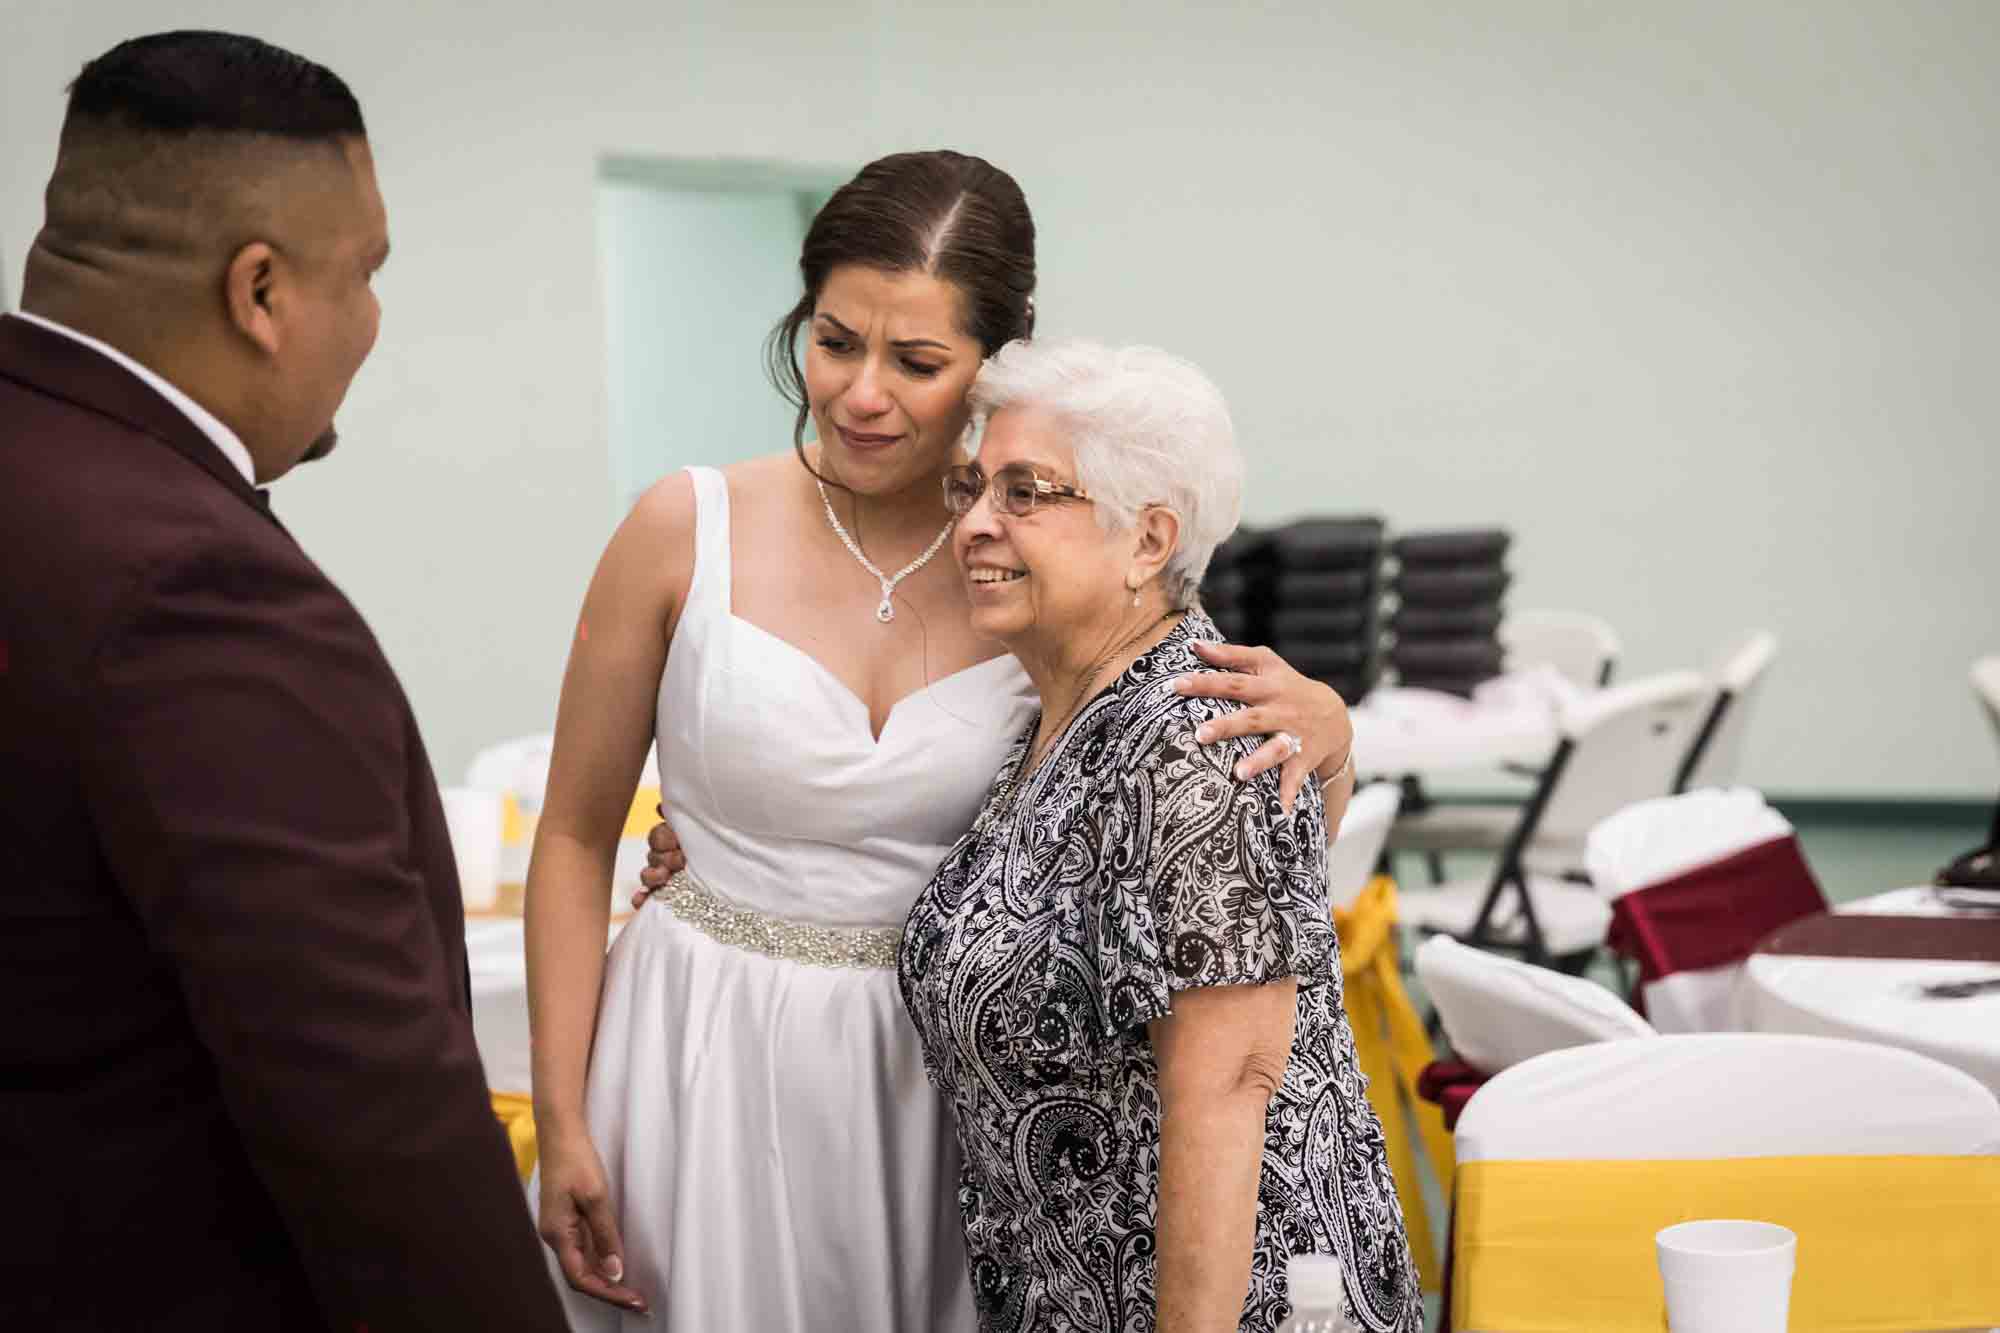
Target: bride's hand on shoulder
576	1220
664	860
1276	699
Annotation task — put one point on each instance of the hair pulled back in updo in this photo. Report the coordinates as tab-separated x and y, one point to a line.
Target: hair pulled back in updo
958	218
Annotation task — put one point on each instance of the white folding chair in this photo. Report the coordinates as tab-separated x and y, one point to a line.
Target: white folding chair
1619	745
1986	684
1498	1012
1581	647
1357	848
1570	653
1810	1132
1654	841
1717	752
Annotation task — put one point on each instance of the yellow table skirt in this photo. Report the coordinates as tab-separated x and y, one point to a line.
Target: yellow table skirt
1886	1244
1393	1049
516	1114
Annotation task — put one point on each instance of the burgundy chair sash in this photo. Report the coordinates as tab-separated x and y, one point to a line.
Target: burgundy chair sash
1716	913
1449	1084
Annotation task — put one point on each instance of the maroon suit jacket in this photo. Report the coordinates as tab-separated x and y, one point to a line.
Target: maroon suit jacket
238	1086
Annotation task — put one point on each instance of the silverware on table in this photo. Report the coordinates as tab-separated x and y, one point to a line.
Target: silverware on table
1980	901
1961	990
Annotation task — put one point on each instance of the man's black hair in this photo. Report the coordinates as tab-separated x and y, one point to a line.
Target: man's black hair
180	82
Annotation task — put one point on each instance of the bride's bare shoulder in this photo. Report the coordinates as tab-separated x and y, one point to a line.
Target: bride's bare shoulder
766	488
664	513
763	474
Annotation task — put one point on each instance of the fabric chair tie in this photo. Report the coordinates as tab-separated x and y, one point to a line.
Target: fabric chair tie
516	1113
1393	1051
1714	914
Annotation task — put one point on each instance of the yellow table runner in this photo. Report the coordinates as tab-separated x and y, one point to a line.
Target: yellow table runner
1886	1244
1393	1049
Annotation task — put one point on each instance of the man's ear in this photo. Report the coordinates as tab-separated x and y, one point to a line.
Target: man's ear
249	294
1156	536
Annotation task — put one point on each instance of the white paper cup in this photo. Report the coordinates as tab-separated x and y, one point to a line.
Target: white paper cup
474	819
1727	1276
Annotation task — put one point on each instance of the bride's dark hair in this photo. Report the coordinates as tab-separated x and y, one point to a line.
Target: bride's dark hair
955	217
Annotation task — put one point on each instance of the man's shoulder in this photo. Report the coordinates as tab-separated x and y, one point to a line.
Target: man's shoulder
104	519
66	453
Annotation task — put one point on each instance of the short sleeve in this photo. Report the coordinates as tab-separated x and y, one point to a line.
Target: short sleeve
1205	881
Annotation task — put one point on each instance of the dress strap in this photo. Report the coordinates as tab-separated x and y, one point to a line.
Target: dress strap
709	587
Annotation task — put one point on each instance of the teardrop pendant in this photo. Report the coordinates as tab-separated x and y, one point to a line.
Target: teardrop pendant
885	612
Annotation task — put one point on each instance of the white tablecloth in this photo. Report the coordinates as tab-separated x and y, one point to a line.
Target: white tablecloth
494	949
1879	1000
1511	720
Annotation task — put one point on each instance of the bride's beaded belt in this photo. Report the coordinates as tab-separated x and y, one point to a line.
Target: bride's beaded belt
775	937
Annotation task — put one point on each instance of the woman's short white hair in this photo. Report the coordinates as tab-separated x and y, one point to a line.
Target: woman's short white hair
1147	428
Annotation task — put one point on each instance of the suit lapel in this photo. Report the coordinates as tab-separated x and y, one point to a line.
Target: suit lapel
66	369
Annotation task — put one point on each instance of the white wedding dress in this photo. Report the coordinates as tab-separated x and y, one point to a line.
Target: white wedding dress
776	1156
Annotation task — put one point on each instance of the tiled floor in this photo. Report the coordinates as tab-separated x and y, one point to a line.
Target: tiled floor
1852	855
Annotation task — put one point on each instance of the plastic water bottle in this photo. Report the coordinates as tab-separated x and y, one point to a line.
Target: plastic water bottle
1319	1295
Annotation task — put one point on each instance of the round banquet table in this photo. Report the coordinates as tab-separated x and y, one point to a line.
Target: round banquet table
1838	990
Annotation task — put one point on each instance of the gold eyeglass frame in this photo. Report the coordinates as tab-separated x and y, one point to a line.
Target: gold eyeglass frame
1044	488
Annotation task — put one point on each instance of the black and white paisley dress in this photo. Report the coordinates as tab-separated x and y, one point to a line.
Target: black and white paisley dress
1130	865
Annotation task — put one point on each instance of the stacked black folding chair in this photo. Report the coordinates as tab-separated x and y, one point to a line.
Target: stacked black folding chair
1444	629
1448	590
1236	590
1326	600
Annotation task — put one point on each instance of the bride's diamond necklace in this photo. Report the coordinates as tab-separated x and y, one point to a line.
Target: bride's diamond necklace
885	612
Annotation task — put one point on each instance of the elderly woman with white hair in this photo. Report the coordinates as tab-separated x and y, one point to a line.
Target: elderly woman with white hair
1125	975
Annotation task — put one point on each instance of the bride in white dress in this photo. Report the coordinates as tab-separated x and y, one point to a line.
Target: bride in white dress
736	1131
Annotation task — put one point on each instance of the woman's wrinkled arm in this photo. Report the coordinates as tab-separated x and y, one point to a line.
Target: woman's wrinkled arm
1221	1054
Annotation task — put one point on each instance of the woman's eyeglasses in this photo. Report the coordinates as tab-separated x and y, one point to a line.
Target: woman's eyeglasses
1016	489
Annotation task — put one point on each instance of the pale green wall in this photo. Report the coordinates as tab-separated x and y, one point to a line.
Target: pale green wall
693	280
1698	298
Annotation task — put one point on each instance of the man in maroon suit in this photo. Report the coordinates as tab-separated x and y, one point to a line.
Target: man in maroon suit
238	1085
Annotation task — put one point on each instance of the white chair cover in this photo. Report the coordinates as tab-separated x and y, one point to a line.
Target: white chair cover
1710	1100
1364	829
1653	841
1499	1012
1715	1095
